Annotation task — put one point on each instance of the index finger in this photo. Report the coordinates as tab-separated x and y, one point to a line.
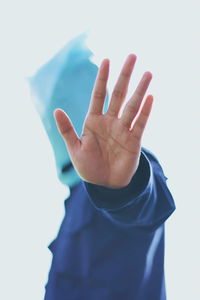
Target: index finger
99	90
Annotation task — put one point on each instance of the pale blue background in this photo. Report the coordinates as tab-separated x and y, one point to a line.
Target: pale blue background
165	37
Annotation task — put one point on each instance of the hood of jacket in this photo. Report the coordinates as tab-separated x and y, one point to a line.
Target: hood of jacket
65	81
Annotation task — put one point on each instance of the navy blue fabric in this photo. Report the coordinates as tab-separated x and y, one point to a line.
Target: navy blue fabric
110	245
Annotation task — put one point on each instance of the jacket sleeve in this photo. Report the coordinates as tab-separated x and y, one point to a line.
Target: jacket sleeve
145	202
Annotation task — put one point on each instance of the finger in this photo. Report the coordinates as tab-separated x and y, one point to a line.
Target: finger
120	89
66	129
99	90
142	118
133	105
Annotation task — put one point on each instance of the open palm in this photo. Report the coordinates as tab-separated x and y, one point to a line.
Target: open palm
108	151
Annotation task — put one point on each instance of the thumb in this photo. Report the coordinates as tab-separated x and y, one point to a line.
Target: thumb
66	129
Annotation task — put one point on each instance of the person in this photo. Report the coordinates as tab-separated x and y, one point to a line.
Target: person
110	245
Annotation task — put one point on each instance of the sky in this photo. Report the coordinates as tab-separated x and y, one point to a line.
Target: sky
165	37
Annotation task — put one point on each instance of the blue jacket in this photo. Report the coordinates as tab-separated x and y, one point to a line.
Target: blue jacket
110	245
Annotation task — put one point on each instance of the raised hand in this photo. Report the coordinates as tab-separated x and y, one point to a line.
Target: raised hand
108	151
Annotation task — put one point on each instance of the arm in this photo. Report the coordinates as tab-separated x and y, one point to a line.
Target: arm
145	202
121	181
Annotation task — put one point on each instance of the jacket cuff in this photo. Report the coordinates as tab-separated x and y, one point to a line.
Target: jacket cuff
112	199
